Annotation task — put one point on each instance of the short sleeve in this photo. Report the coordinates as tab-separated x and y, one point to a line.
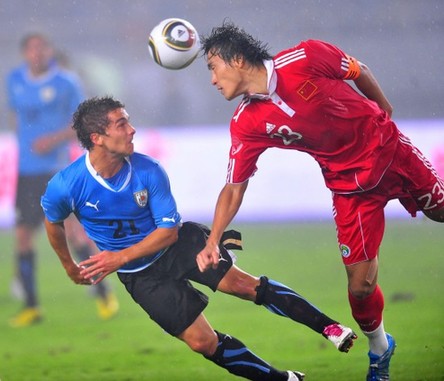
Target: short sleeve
162	203
331	61
56	202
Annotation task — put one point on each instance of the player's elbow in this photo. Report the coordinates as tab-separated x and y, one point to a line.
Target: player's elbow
172	236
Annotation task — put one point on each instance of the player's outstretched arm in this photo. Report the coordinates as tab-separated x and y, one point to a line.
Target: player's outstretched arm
369	86
98	266
57	238
228	204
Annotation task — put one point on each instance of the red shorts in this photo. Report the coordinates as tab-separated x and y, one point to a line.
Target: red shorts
359	217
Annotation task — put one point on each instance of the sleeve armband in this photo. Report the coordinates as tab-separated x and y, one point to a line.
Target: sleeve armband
351	67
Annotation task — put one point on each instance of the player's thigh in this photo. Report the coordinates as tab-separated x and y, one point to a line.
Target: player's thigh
174	304
180	259
362	277
360	225
420	180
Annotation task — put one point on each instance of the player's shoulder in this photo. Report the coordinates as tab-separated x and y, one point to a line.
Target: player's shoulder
16	73
74	171
67	76
142	160
301	50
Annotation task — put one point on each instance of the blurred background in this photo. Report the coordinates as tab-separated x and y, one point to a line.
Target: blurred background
105	41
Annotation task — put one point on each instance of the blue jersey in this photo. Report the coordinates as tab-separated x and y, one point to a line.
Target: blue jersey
116	213
43	106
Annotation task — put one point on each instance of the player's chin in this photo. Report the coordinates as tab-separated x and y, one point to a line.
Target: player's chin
130	149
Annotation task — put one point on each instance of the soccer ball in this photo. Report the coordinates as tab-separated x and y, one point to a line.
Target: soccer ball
174	43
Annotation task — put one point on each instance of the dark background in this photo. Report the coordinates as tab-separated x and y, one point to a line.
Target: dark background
106	43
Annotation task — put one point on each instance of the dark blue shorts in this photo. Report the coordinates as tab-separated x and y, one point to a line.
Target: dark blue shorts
164	289
30	189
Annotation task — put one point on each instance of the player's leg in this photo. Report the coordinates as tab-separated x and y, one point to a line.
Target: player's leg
228	278
26	262
181	315
367	305
435	215
360	228
29	218
231	354
282	300
424	186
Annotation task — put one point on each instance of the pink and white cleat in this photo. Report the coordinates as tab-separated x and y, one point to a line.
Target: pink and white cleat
342	337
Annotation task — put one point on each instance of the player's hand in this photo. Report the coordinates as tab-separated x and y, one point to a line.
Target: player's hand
43	145
208	257
74	272
98	266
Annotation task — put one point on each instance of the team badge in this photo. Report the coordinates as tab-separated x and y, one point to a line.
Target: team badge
345	250
47	94
141	198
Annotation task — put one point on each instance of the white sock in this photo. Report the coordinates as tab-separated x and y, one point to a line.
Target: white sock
377	340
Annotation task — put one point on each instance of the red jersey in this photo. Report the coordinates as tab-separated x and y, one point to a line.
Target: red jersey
311	108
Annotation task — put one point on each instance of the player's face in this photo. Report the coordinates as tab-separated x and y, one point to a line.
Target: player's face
38	54
226	77
119	133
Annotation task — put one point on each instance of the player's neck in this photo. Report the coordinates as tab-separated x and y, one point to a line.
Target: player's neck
106	166
38	71
257	81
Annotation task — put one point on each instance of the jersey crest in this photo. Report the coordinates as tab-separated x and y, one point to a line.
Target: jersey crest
141	198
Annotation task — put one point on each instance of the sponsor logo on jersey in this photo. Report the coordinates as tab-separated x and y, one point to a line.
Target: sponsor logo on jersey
269	127
94	206
141	198
345	250
287	135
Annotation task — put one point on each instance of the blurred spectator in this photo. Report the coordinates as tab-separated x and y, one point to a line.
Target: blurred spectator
42	96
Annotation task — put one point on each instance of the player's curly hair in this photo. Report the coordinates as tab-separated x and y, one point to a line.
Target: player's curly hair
230	42
92	117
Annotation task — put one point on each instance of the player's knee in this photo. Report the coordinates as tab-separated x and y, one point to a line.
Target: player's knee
361	289
205	345
435	215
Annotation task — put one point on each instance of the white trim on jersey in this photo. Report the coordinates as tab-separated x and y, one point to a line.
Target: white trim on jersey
290	57
101	180
345	64
245	102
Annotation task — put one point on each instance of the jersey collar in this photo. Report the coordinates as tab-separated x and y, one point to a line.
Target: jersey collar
271	82
272	85
101	180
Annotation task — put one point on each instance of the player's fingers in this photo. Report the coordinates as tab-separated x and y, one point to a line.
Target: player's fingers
201	263
204	261
98	279
215	256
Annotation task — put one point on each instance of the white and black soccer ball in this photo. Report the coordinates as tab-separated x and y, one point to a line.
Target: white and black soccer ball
174	43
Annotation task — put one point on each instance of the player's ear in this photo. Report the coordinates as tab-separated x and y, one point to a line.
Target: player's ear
96	138
239	62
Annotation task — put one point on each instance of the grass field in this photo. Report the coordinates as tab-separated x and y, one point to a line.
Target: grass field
73	344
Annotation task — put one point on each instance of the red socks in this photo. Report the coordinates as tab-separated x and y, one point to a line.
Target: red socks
368	311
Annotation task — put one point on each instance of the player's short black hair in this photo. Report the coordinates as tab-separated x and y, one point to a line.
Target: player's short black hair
92	117
230	42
